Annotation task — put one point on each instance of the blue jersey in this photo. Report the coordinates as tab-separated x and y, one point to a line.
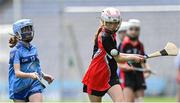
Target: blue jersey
24	56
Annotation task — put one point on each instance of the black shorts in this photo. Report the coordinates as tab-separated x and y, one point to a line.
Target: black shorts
134	80
112	82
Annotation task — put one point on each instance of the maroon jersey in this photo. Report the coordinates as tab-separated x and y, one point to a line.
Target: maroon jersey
102	69
128	47
133	79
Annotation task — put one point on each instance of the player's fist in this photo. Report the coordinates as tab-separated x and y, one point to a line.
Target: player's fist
48	78
33	75
147	71
138	58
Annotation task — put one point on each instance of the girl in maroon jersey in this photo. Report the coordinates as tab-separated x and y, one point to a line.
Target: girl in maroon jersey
101	76
133	82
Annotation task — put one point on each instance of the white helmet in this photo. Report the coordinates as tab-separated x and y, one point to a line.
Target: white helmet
111	15
134	23
124	26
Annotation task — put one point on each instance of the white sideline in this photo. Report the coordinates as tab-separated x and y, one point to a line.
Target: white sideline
147	8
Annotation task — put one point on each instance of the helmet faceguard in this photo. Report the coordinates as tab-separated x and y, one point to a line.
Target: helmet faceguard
133	26
111	15
27	33
24	30
122	31
123	27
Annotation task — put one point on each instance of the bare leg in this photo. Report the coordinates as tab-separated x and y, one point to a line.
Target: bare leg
178	97
93	98
178	93
129	94
116	93
139	95
18	101
37	97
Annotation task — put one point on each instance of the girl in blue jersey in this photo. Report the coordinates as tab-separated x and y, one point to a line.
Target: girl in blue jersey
23	83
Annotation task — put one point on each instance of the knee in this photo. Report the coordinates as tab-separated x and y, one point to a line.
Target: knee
129	99
119	99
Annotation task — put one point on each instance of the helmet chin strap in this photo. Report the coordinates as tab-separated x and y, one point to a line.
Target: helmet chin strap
117	27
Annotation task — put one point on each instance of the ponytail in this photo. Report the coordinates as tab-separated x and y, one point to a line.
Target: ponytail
13	41
97	33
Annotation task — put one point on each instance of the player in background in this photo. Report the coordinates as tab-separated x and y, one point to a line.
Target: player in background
133	82
178	78
23	83
101	76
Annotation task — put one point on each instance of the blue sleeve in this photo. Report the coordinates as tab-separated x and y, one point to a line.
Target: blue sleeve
16	59
37	54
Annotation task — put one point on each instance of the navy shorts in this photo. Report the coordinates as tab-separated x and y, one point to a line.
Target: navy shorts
24	94
112	82
135	81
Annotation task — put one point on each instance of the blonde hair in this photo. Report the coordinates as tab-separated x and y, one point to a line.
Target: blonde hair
97	33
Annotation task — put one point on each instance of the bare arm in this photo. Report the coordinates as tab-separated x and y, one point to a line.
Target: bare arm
21	74
47	77
110	48
145	65
125	67
147	68
122	57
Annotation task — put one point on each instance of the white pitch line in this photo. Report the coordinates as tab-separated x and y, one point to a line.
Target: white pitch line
148	8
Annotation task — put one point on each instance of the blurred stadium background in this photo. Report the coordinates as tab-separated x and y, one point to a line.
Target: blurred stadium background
64	31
